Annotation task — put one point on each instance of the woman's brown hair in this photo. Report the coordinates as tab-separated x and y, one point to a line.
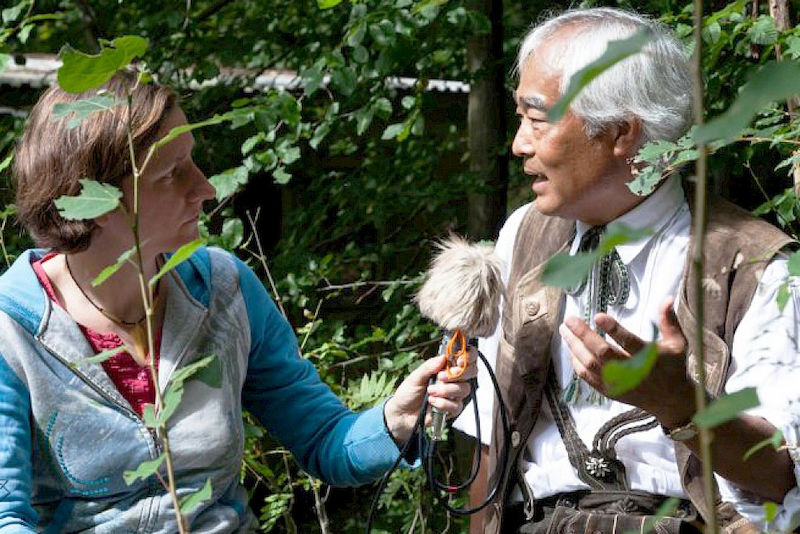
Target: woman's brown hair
51	158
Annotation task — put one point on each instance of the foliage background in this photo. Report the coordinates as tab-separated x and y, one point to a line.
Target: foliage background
338	188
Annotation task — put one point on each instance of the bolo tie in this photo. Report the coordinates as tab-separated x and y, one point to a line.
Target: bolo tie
607	284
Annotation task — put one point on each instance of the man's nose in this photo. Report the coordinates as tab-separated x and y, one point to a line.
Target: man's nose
523	141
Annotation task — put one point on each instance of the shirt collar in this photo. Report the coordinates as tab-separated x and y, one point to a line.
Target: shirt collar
654	213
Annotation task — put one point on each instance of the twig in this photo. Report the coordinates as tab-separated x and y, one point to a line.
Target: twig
353	285
698	262
311	327
319	506
3	242
263	259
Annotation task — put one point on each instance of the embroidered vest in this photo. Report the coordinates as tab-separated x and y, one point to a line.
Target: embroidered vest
737	249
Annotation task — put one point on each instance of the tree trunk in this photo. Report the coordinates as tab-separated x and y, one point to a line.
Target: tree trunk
486	124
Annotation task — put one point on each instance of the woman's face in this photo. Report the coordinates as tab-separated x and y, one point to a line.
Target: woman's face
171	192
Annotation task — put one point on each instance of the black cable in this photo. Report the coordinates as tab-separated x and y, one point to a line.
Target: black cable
428	457
427	449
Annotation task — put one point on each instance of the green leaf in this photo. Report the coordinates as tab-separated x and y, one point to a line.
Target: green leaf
111	269
360	54
187	371
7	161
190	502
772	82
4	61
565	271
776	440
794	263
320	133
232	233
100	357
763	31
382	107
344	80
183	128
10	14
25	32
621	376
327	4
281	176
363	118
312	78
94	200
172	399
211	373
83	108
393	130
726	408
149	416
227	182
782	299
615	52
290	155
770	511
80	72
180	255
145	470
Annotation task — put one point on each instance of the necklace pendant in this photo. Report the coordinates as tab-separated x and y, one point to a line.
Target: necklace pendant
598	466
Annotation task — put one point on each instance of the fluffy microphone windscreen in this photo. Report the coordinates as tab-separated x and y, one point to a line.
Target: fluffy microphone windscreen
462	288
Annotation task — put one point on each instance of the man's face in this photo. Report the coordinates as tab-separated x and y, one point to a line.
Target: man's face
574	176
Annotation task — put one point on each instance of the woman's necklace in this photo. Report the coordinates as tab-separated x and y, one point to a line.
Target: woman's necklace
108	315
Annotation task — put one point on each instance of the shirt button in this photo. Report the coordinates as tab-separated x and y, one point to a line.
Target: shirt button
515	439
532	307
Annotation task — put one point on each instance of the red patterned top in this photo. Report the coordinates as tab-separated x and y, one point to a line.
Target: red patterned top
133	381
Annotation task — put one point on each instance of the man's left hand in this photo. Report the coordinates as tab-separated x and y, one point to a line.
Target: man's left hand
667	392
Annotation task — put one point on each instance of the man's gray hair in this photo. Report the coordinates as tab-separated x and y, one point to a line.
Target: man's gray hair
654	85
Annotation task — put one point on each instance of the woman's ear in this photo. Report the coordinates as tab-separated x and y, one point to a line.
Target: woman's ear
627	138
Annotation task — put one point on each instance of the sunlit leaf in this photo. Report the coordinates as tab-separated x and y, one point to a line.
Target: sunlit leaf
565	271
80	72
615	52
111	269
794	263
228	182
327	4
776	440
10	14
145	469
727	407
782	299
180	255
183	128
187	371
83	108
211	374
763	31
5	59
621	376
770	510
281	176
172	399
100	357
232	233
94	200
149	416
772	82
6	162
190	502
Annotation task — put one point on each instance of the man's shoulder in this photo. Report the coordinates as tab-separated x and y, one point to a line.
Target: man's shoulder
734	227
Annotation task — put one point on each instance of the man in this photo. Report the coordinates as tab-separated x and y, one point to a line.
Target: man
580	459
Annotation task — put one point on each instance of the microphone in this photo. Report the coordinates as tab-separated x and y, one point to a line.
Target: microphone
461	294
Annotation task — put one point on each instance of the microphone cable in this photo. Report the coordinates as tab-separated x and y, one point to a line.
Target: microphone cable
427	449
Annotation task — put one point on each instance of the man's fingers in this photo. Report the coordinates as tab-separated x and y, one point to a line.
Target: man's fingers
671	333
593	342
624	338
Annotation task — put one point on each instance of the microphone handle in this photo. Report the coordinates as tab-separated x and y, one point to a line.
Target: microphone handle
439	417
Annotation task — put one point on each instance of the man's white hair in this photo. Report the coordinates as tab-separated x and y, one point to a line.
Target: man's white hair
654	85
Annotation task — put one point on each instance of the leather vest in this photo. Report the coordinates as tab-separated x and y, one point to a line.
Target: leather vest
737	249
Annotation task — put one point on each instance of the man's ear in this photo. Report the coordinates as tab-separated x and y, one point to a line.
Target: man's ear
627	137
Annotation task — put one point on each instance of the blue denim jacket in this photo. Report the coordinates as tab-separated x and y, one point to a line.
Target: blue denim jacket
67	435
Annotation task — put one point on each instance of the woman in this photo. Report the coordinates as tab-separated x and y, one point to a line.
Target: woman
69	429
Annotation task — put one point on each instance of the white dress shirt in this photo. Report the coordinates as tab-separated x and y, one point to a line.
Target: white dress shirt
764	355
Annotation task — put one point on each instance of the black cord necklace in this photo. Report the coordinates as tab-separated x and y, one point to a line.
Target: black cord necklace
108	315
